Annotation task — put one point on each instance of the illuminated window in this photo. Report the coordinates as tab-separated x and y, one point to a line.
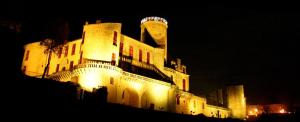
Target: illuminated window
66	51
73	49
71	65
27	55
140	55
121	47
24	69
130	51
57	67
148	58
83	37
59	52
183	84
113	59
111	80
115	38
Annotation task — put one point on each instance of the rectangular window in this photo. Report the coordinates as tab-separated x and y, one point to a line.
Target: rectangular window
177	99
121	47
83	37
148	57
27	55
111	80
113	59
59	52
202	105
71	65
64	68
57	67
140	55
24	69
115	38
131	51
73	49
183	84
66	51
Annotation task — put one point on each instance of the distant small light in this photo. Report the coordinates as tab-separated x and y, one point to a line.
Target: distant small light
256	110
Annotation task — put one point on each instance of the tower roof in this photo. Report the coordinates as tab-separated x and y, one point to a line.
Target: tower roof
154	18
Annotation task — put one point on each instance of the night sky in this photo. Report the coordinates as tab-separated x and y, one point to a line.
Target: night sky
254	44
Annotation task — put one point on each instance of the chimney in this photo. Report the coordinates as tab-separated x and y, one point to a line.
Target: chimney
179	63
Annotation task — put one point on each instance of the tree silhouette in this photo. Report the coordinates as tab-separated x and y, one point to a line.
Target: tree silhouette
51	47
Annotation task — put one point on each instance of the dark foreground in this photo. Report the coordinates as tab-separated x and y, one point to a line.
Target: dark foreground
48	100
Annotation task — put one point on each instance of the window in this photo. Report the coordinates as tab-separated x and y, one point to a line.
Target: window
121	47
130	51
113	59
73	49
27	55
59	52
24	69
83	37
71	65
64	68
115	38
148	58
66	51
140	55
183	84
194	103
177	99
111	80
202	105
57	67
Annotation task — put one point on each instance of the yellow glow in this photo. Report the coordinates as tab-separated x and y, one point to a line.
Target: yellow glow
282	111
250	112
255	110
158	89
90	81
136	85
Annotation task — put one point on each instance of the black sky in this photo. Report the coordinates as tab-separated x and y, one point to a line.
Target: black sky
221	43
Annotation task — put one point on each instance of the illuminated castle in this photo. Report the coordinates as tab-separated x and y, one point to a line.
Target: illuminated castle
135	72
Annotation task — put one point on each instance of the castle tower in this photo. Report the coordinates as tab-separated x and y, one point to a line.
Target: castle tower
156	27
100	41
236	101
